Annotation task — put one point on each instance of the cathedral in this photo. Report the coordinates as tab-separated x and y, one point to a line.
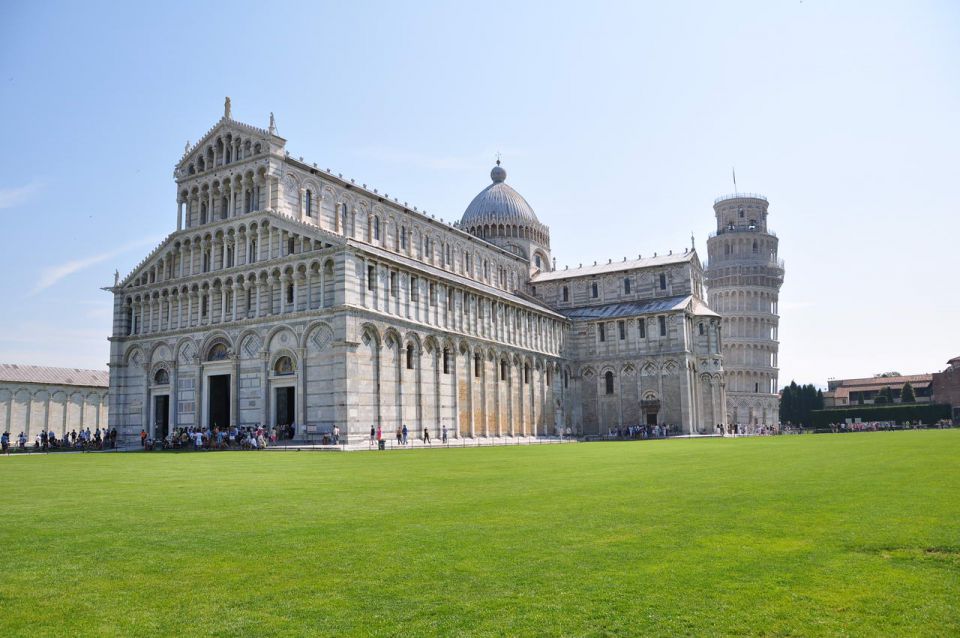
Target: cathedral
290	295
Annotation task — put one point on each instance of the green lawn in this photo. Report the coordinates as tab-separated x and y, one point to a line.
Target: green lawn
855	534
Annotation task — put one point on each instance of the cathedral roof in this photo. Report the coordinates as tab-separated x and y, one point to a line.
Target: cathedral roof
18	373
614	266
498	203
634	308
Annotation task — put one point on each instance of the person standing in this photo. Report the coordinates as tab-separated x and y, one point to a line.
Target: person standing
373	433
5	442
405	433
443	435
399	435
379	434
336	435
426	436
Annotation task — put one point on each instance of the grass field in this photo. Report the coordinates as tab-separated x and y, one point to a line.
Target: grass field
855	534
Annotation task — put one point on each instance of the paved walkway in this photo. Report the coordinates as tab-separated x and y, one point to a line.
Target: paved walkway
362	445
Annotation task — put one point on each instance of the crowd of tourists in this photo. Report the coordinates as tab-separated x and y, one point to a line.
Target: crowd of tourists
232	438
660	431
47	440
880	426
738	429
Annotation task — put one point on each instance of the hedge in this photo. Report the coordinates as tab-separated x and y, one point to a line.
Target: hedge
898	413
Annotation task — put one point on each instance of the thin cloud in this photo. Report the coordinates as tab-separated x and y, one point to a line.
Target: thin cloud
10	197
430	162
53	274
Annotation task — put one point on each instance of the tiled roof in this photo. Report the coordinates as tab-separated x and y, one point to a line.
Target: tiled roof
882	382
17	373
628	309
616	266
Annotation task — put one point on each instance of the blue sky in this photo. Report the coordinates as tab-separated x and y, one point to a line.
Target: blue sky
619	122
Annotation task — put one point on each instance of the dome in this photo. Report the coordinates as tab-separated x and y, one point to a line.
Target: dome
498	203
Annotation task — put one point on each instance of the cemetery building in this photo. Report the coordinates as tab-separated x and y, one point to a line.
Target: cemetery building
288	294
38	398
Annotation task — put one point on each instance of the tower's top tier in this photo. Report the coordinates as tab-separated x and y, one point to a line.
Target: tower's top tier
742	212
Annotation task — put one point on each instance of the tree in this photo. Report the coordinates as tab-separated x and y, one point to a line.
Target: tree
885	395
906	394
797	403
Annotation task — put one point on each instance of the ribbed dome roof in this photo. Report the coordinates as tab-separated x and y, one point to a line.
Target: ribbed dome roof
498	203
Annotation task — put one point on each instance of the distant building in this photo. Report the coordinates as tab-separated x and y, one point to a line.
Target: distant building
35	398
946	387
844	392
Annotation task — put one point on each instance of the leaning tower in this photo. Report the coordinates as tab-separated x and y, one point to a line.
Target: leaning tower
744	276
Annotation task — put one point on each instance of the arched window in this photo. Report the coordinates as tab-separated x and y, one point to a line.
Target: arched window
283	366
594	291
162	377
663	281
537	261
526	373
224	207
218	352
409	356
566	294
446	361
626	285
476	366
403	237
308	203
756	248
203	212
376	229
608	380
503	370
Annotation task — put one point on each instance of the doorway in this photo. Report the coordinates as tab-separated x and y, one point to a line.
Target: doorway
651	418
285	400
161	416
219	400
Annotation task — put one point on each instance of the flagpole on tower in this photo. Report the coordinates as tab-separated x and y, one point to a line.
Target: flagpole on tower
734	180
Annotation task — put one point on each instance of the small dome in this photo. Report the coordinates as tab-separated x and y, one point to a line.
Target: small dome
498	203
